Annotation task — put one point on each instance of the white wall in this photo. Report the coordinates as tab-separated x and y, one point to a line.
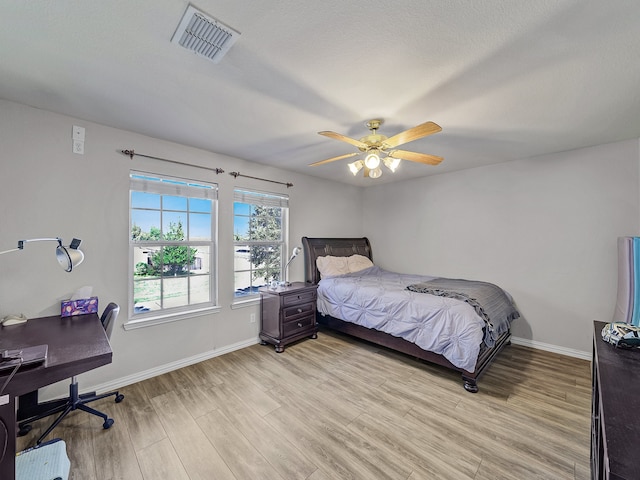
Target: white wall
543	228
48	191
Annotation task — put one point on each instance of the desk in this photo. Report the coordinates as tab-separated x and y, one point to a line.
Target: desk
76	344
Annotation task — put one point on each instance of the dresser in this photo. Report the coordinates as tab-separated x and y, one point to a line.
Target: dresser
615	420
288	314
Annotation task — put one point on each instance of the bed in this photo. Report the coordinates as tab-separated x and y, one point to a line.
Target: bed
419	315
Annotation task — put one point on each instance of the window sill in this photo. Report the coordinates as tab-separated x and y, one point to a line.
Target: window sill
133	324
245	302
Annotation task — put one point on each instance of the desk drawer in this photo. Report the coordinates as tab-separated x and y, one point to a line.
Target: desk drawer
298	298
303	323
290	313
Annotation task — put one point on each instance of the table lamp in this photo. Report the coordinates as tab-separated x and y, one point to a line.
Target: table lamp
294	254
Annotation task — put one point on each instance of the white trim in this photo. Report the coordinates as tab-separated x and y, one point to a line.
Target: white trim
570	352
150	321
246	302
169	367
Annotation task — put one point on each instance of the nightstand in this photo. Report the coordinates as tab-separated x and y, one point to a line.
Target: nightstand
288	314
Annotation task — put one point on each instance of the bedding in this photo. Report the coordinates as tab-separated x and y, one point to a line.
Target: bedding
445	323
330	266
489	301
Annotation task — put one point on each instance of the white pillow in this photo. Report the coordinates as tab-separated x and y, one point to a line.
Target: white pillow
358	262
329	266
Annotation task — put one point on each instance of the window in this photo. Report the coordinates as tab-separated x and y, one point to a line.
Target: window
171	244
260	225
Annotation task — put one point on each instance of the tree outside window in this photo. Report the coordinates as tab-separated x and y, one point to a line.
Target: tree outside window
258	241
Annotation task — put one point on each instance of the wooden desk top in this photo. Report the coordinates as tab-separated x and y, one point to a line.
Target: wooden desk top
77	344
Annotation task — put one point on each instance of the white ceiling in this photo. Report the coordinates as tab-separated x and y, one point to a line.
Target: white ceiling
505	79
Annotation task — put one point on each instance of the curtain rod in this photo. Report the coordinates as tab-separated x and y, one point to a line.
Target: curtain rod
131	153
238	174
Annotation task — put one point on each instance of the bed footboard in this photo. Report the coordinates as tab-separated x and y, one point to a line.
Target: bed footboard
469	379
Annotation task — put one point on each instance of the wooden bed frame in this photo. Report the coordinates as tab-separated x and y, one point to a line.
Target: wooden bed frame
344	247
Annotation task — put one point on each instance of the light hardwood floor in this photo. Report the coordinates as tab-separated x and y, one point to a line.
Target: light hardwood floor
336	408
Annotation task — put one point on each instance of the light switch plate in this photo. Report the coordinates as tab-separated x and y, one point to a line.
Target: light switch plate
78	133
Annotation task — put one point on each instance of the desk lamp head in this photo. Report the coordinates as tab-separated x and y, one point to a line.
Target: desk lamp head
68	257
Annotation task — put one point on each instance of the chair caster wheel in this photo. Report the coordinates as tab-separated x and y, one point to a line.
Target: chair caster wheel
119	398
107	424
24	430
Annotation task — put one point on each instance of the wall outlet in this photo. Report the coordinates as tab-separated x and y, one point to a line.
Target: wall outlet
78	147
252	318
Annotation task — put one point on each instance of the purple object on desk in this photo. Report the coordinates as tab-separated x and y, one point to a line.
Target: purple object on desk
81	306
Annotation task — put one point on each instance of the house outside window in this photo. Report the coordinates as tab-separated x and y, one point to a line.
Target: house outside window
172	249
260	222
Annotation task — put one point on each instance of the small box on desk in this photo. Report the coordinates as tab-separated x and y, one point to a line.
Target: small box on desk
79	307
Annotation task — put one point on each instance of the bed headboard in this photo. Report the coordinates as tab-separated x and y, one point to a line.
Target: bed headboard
336	247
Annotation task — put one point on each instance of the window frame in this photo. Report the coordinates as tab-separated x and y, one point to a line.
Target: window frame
168	185
252	197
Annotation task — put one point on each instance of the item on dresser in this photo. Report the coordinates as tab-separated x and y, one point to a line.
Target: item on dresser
621	335
375	305
287	314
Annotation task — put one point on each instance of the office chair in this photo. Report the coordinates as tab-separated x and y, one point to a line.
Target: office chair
76	401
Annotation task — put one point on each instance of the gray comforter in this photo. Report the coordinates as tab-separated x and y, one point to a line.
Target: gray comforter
378	299
489	301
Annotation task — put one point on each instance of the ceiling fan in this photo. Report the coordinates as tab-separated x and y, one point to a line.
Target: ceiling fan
378	148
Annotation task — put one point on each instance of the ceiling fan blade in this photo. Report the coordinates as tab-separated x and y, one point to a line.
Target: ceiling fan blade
423	130
416	157
333	159
343	138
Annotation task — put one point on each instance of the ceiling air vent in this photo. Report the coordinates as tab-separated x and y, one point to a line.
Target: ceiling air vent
204	35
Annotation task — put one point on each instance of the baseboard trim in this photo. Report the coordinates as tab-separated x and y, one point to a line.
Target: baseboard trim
169	367
525	342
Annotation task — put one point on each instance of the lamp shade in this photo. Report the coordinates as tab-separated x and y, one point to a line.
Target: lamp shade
372	159
392	163
375	173
69	258
356	166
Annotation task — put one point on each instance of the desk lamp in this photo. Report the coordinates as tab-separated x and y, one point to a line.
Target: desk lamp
68	257
294	254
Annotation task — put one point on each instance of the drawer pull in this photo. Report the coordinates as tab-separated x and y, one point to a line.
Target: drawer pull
299	310
300	324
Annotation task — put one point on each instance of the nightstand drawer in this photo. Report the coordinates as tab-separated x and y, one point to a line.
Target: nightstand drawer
290	328
295	299
291	313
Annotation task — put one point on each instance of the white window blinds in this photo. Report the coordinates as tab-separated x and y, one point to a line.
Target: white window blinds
261	198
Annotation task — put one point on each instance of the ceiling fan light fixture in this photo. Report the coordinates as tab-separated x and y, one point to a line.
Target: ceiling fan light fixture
391	163
356	166
375	173
372	160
